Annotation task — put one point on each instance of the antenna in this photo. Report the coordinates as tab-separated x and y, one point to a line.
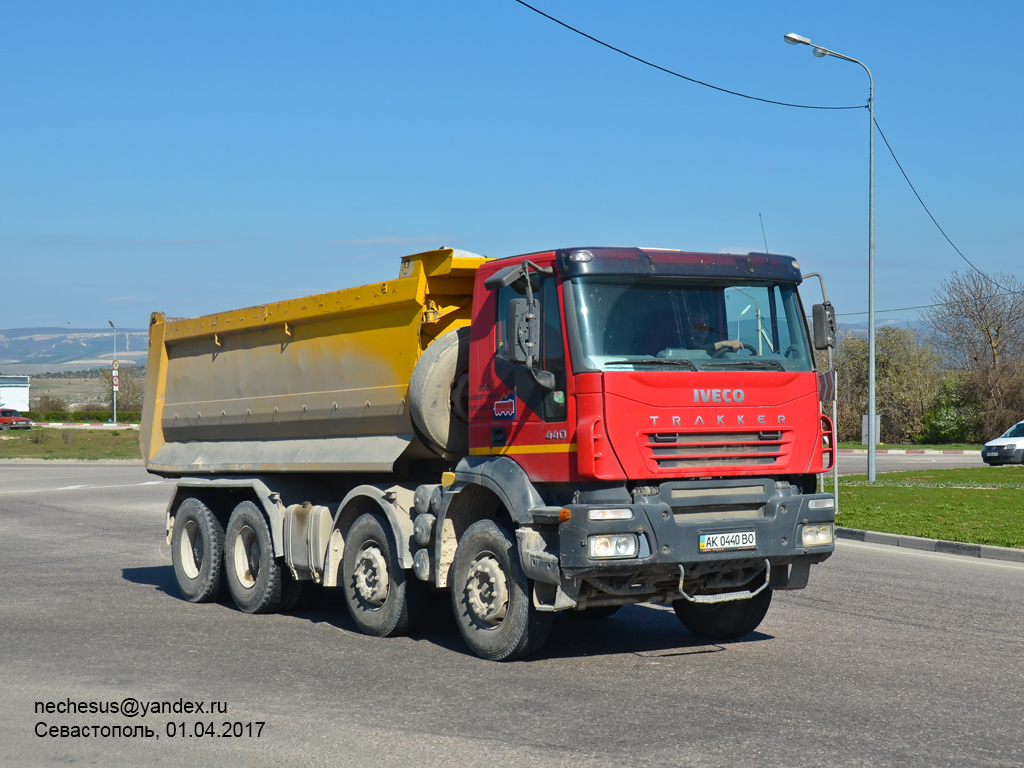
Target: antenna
762	232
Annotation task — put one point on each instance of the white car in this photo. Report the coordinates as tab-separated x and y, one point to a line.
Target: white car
1006	449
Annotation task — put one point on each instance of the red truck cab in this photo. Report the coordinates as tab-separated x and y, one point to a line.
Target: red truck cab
664	408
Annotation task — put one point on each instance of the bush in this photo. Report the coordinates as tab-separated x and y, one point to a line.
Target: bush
956	414
50	403
91	417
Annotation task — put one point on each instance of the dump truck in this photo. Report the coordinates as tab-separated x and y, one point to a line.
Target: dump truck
567	431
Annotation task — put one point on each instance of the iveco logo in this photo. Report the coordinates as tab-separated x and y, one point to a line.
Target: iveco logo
718	395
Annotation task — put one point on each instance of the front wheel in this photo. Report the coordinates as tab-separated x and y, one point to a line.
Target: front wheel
383	599
491	596
255	578
724	621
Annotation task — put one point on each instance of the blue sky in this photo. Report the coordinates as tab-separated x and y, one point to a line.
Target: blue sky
195	157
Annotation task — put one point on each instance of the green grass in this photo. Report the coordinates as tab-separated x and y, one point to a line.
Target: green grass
904	447
47	443
976	505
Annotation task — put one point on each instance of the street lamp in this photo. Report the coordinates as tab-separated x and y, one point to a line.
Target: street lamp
114	370
794	39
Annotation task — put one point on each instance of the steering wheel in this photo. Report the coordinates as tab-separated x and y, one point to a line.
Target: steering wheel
723	350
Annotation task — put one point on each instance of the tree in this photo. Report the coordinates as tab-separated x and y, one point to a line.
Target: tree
978	324
906	381
131	387
955	415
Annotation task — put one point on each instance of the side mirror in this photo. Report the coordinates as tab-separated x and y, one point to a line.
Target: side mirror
522	338
522	330
824	316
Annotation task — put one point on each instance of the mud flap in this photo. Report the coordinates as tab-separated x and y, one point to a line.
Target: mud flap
790	576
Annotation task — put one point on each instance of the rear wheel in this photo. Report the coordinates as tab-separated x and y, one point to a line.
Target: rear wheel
197	551
295	595
491	596
724	621
383	599
254	577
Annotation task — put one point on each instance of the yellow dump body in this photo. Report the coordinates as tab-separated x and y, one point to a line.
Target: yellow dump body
316	384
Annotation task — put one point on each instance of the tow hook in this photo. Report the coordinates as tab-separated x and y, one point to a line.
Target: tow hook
724	597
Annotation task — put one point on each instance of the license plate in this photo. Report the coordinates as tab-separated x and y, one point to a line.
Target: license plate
720	542
992	452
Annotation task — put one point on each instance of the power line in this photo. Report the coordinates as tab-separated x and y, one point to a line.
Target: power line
677	74
1006	292
797	106
936	223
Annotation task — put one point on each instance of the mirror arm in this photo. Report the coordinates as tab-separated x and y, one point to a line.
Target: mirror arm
544	379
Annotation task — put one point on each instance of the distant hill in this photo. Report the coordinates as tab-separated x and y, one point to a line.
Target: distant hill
861	326
37	350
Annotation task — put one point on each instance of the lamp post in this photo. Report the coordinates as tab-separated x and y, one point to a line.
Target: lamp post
794	39
114	373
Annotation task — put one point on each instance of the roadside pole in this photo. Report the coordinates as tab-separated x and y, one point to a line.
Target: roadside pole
114	382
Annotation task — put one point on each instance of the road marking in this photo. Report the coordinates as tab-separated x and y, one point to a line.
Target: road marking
80	487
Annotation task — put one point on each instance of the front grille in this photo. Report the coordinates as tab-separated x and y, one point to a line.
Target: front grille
681	450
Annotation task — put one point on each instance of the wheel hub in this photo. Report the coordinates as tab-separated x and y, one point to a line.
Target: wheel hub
247	557
371	576
191	549
487	590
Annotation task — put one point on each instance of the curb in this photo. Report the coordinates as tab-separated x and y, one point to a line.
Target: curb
984	551
914	451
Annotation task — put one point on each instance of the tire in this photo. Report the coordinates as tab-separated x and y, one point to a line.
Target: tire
295	595
383	599
197	551
439	393
491	596
724	621
255	579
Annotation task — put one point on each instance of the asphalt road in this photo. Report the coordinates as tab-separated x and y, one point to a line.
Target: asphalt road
857	463
889	658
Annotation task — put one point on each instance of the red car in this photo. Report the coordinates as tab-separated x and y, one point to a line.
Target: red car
11	419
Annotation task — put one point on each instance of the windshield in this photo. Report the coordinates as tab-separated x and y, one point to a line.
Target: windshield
633	323
1017	430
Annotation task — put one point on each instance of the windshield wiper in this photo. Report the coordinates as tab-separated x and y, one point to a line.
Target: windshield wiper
746	364
654	361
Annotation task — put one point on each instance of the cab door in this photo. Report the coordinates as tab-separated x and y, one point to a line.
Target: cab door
513	415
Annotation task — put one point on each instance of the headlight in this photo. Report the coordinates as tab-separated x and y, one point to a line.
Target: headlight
614	546
1011	447
816	535
610	514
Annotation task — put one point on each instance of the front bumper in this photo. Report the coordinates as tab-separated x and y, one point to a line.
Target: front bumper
669	526
999	455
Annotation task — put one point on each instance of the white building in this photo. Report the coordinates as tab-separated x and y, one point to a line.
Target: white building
14	392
